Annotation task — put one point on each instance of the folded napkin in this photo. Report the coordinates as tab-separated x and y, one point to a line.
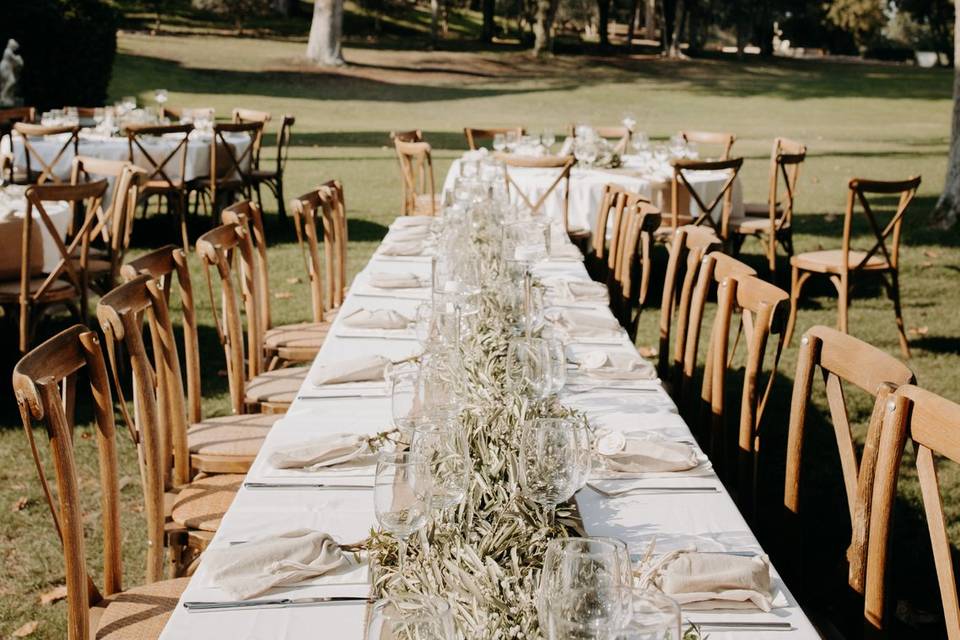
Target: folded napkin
587	325
565	251
648	453
412	221
715	580
405	234
248	570
616	366
377	319
328	451
387	280
402	248
362	369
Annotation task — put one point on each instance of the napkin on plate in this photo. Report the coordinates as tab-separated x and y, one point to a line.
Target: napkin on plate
615	366
362	369
402	248
387	280
248	570
328	451
404	234
565	251
412	221
715	580
646	453
377	319
580	324
583	290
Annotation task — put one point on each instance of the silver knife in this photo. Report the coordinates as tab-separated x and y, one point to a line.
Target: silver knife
272	604
745	625
304	485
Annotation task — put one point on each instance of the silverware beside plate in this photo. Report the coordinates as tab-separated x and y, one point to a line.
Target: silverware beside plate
274	603
304	485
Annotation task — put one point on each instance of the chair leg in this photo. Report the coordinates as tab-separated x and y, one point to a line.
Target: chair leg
182	212
796	284
843	303
895	295
24	327
281	206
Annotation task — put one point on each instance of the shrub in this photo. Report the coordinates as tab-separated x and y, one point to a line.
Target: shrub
68	47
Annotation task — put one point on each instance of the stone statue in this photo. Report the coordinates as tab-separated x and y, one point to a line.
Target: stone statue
10	67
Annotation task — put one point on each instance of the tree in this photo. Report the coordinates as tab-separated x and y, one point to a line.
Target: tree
326	31
948	206
546	11
489	9
863	19
603	20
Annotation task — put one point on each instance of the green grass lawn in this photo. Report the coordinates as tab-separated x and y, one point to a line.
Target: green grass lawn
857	120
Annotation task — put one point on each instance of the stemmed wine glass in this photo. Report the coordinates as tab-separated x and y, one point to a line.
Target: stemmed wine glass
161	96
528	370
443	444
401	496
405	402
554	461
499	142
548	138
558	365
613	613
411	616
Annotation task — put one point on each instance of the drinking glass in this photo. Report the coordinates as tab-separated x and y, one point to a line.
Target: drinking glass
629	121
442	442
411	617
548	138
580	563
99	114
129	102
499	142
639	142
614	613
161	96
554	461
512	139
401	496
423	323
558	365
527	242
528	367
405	401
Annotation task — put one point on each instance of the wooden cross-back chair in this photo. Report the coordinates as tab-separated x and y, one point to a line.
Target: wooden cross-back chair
172	111
8	117
723	140
932	424
166	169
474	134
194	505
772	221
561	182
418	190
681	187
251	389
243	116
611	207
689	246
844	265
273	178
65	152
110	237
320	220
843	361
92	611
620	136
229	170
34	292
630	263
413	135
297	342
762	308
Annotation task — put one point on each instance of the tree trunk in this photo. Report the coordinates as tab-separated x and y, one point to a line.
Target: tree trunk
489	26
543	27
948	206
434	22
675	33
603	13
650	19
326	30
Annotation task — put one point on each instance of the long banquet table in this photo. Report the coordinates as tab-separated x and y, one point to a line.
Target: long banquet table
707	521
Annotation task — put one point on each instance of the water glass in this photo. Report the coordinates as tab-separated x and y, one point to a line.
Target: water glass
443	444
613	613
554	461
406	405
401	496
558	365
528	367
161	96
411	617
512	139
527	242
548	138
499	142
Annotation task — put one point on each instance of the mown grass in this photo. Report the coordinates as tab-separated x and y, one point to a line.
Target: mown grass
866	120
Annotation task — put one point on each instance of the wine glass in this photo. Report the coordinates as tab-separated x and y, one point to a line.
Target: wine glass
405	401
423	323
558	365
613	613
639	142
528	366
526	242
411	616
548	138
579	563
554	461
161	96
512	139
401	496
629	121
443	444
499	142
129	102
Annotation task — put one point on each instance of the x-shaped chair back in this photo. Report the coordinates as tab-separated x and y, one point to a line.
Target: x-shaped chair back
233	169
252	115
612	203
416	170
473	134
785	163
631	274
722	139
681	178
30	132
157	169
563	165
619	135
283	144
860	191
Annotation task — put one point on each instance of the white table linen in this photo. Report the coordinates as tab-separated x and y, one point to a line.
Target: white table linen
59	213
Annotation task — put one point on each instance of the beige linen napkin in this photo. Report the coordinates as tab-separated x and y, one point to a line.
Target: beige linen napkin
377	319
565	251
585	290
407	234
649	453
616	366
387	280
362	369
248	570
402	248
715	580
328	451
587	325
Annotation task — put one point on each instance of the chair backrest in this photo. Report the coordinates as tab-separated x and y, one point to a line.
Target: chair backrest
785	161
682	170
861	190
474	134
620	136
563	166
12	115
413	135
164	265
30	133
216	248
722	140
241	116
613	202
283	143
843	361
631	273
933	425
320	218
247	214
225	163
416	172
84	112
171	111
36	378
689	246
168	166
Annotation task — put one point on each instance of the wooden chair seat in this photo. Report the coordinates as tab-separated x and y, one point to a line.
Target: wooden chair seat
264	174
206	182
750	224
831	261
59	290
297	342
277	387
94	265
664	232
202	503
139	613
232	441
753	209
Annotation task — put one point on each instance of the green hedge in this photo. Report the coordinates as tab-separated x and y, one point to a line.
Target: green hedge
68	47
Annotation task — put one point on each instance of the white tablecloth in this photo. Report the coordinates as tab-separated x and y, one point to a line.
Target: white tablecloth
117	148
711	521
586	189
59	214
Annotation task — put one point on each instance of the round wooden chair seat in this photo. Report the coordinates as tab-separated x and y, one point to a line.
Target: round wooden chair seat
831	261
139	613
60	288
303	339
749	225
276	387
230	436
202	503
754	209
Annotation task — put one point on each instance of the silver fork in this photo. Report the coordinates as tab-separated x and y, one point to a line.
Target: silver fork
654	489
